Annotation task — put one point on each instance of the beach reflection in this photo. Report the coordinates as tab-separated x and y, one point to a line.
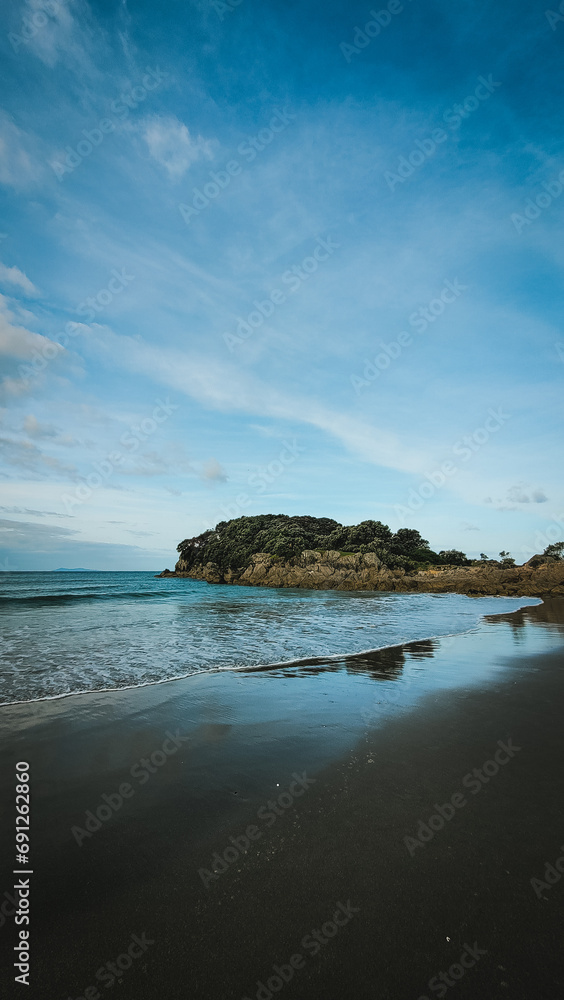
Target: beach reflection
547	615
404	672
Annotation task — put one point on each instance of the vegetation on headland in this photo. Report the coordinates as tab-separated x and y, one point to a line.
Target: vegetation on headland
231	545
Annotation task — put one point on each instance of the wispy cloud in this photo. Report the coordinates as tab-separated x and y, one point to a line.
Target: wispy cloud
27	534
173	147
13	276
32	513
28	458
16	341
226	388
20	167
519	494
63	33
322	176
214	472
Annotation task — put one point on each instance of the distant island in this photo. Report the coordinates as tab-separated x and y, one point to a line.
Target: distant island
277	550
77	569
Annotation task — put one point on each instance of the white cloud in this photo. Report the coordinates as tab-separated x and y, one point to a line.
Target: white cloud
170	458
520	494
226	388
14	387
61	38
26	456
28	535
13	276
18	167
171	145
16	341
33	428
214	472
31	512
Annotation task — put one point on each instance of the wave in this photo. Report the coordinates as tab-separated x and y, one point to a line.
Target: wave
38	599
302	661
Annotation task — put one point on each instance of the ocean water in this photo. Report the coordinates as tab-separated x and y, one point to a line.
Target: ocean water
64	633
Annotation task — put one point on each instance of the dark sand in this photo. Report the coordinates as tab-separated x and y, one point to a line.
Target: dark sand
432	713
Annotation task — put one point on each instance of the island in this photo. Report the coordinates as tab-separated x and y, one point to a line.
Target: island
279	550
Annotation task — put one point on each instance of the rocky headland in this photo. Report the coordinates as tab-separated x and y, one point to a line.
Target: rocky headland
333	570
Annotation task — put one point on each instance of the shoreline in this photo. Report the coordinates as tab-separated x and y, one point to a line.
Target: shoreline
380	741
282	664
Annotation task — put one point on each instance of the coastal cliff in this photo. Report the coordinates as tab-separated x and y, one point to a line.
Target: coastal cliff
333	570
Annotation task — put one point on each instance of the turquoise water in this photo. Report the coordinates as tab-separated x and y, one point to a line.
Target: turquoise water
65	633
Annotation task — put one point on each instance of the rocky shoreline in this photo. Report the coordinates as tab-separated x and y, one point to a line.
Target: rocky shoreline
333	570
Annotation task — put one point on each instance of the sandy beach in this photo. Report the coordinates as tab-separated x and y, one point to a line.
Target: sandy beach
369	829
282	515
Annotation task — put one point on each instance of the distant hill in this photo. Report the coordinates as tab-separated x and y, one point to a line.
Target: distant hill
76	569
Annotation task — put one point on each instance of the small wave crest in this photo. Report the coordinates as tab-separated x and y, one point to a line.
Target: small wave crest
46	599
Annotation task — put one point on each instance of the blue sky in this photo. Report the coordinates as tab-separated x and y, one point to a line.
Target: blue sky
278	257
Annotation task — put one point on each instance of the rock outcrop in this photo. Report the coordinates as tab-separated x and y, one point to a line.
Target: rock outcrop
357	571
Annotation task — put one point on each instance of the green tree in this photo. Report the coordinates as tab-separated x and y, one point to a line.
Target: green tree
507	560
555	551
453	557
406	541
232	543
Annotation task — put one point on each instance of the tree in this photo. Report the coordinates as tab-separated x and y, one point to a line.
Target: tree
231	545
555	551
484	557
453	557
407	540
507	559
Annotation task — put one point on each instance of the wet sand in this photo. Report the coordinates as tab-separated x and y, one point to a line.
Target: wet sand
376	745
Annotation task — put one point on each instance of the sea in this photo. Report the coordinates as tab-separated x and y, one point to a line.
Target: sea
65	633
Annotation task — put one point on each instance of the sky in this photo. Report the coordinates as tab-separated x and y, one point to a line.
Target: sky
278	257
